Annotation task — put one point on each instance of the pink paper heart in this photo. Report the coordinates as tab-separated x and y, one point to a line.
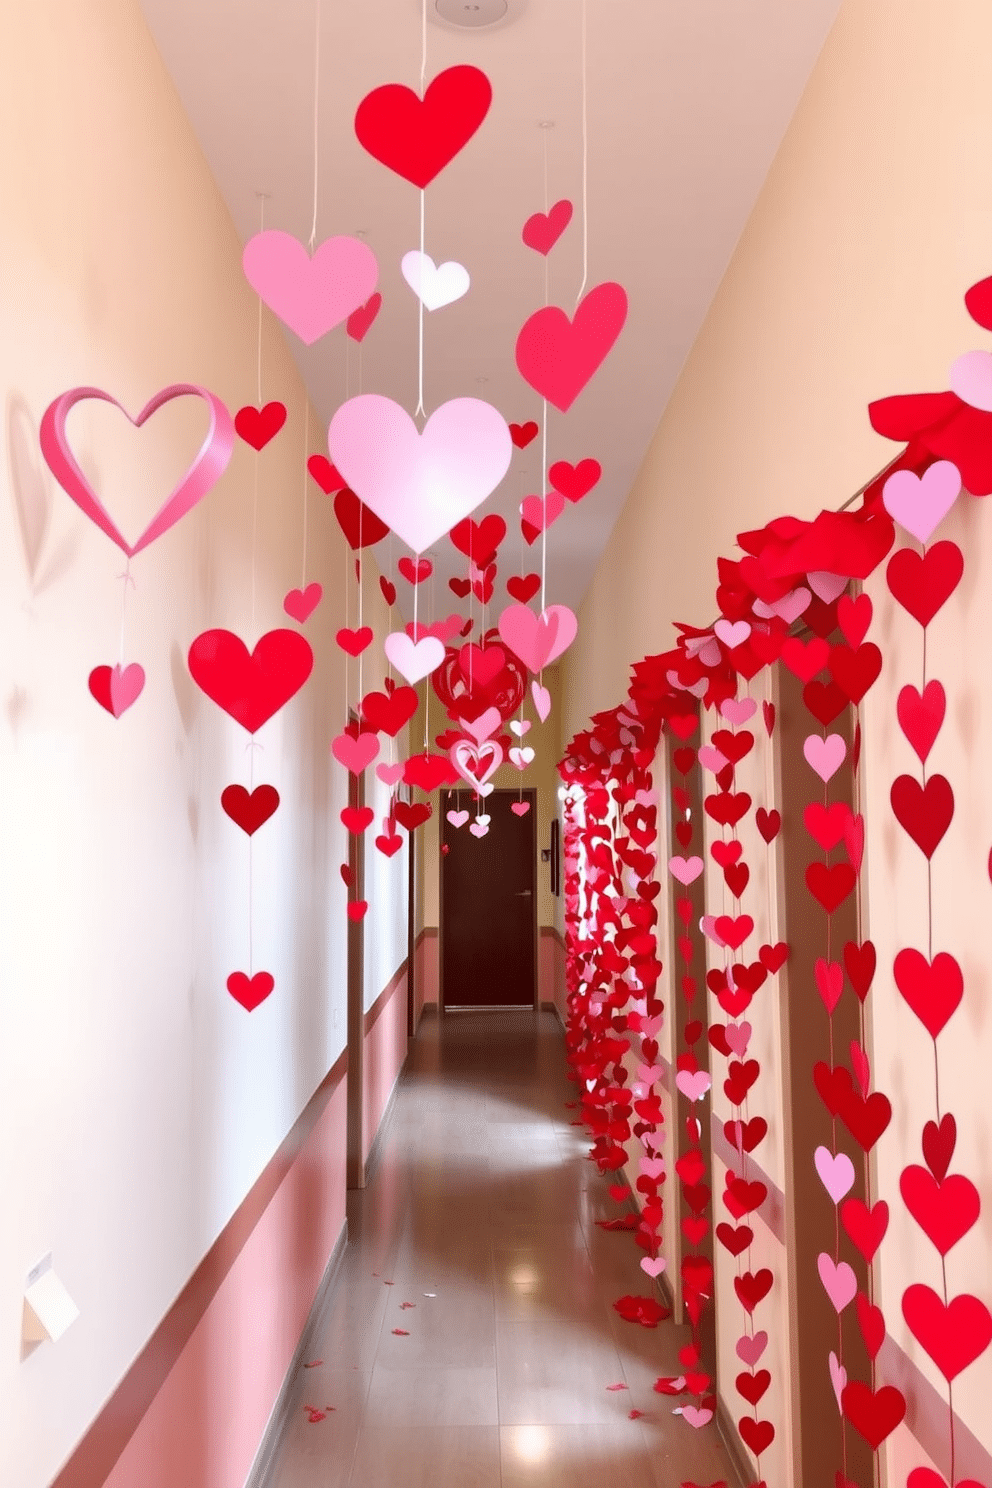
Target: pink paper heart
788	608
355	754
650	1026
301	603
652	1167
520	808
538	639
542	231
685	870
827	586
711	759
829	977
695	1416
310	295
557	356
483	727
653	1267
836	1173
920	503
457	818
838	1378
646	797
732	635
738	1036
420	483
708	926
971	379
390	774
542	514
695	689
751	1347
693	1083
738	710
648	1074
520	726
839	1281
442	629
542	700
825	756
479	829
204	473
116	688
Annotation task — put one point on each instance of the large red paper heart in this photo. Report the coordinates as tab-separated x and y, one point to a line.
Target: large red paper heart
921	716
923	584
830	884
250	991
826	824
855	671
865	1226
954	1336
758	1435
249	811
558	356
925	812
387	713
251	687
575	481
946	1211
417	138
359	524
933	990
256	426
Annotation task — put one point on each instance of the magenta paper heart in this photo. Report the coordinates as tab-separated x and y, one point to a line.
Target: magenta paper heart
542	231
310	295
738	710
355	754
420	484
542	514
475	763
751	1347
538	639
827	586
685	870
520	808
542	700
391	774
825	756
971	379
738	1036
836	1173
839	1281
558	356
920	503
300	604
116	688
204	473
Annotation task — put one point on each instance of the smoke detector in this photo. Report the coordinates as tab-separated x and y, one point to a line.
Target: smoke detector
474	15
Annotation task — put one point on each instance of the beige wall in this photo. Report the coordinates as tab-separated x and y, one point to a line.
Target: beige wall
139	1102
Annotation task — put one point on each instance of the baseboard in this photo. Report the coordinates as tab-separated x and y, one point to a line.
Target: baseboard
375	1151
552	1007
278	1422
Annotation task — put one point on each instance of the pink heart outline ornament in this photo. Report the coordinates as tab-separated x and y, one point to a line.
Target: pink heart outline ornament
206	470
464	752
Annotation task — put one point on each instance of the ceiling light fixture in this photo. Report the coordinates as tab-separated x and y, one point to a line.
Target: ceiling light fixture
474	15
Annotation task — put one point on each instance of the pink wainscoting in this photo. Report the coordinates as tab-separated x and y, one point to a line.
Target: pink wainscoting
204	1425
426	980
385	1051
551	969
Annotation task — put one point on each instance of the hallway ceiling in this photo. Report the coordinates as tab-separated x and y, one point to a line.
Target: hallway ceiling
688	101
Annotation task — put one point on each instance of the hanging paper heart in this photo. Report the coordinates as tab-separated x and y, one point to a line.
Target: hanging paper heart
250	991
523	588
310	295
435	285
361	527
539	515
738	710
874	1415
954	1336
250	686
476	763
924	811
354	641
933	990
391	774
921	716
524	434
412	814
256	426
521	758
300	604
542	231
971	378
417	138
204	473
479	540
413	660
828	586
836	1172
357	910
750	1348
558	356
389	841
427	771
944	1211
839	1281
825	756
357	819
359	322
923	584
415	571
116	688
788	608
421	484
328	479
387	711
575	481
685	870
538	639
920	503
732	635
483	727
520	808
520	726
355	754
249	812
542	700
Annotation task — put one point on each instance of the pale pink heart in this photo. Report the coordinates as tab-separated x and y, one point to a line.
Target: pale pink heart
738	1036
646	797
839	1281
836	1173
652	1167
125	687
709	652
479	829
732	635
971	379
685	870
434	284
483	727
738	710
654	1267
829	977
520	808
649	1073
520	726
650	1026
693	1083
750	1348
788	608
538	639
310	295
696	1416
486	757
591	1085
390	774
521	758
825	756
708	926
420	484
651	1142
485	790
301	603
827	586
711	759
695	689
542	514
204	473
355	754
678	1384
413	659
639	1005
626	737
919	504
695	644
838	1378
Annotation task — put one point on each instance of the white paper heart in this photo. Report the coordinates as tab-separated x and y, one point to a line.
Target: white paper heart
478	829
521	757
434	284
542	700
413	660
520	726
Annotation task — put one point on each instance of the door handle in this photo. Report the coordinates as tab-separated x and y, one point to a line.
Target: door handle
522	893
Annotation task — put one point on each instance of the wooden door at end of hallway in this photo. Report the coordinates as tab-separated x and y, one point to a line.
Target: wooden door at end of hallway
488	902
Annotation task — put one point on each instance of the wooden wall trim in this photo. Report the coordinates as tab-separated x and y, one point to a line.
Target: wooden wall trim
379	1006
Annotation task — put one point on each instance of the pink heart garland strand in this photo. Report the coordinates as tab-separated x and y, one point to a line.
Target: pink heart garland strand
310	295
204	473
420	483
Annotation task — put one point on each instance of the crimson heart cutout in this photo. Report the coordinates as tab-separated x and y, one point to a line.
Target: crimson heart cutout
387	713
854	618
523	434
389	844
866	1227
357	909
412	814
346	875
428	771
826	824
461	587
938	1145
865	1119
873	1416
805	660
479	540
954	1336
945	1211
833	1084
683	725
758	1435
726	853
860	962
415	571
932	990
774	957
354	641
830	884
251	687
256	426
753	1287
768	823
923	584
388	589
855	671
523	588
357	818
923	811
415	138
557	356
327	476
872	1325
925	1477
250	991
482	664
694	1228
249	812
575	481
735	1240
359	524
824	700
921	716
751	1387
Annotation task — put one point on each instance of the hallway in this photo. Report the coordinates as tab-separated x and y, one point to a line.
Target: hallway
481	1212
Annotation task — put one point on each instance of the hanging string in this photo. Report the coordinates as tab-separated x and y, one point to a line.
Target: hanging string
546	125
420	319
316	121
127	579
544	502
306	442
585	167
254	518
361	578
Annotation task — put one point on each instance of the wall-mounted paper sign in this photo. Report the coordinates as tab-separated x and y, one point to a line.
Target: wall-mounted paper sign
48	1308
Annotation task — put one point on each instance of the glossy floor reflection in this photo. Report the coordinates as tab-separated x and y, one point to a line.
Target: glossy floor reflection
477	1238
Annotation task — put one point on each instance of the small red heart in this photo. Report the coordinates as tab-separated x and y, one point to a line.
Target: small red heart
805	660
768	713
866	1227
873	1415
388	844
542	231
860	962
250	992
768	823
524	588
854	618
357	818
249	812
824	700
354	641
758	1435
575	481
325	474
256	426
830	884
388	589
356	910
415	571
872	1325
523	434
460	587
855	671
360	321
944	1211
921	716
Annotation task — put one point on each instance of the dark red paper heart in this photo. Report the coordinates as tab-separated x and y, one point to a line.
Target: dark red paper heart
924	812
939	1142
768	823
923	584
249	812
359	524
524	588
873	1416
523	434
921	716
932	990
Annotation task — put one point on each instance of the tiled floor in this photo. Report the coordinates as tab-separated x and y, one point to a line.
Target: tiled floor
481	1213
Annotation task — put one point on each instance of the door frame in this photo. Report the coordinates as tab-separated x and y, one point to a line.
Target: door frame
529	793
355	1144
